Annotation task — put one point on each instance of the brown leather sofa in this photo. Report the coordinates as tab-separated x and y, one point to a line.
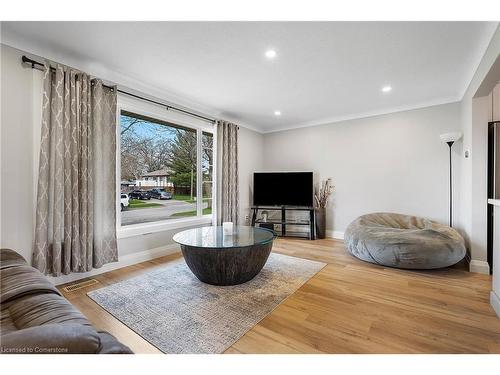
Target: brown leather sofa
36	318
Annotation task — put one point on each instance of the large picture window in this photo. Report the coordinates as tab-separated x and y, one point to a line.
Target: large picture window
166	170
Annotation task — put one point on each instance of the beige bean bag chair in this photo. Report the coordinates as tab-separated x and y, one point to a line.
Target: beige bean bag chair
402	241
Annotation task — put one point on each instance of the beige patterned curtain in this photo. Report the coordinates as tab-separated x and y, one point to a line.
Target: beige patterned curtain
76	209
227	147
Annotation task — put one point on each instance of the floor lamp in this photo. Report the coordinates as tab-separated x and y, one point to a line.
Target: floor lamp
449	139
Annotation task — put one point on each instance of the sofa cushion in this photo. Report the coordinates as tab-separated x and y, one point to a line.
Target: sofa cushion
41	309
19	280
9	258
110	345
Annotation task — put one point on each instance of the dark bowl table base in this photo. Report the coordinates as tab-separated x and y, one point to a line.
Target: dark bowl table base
220	259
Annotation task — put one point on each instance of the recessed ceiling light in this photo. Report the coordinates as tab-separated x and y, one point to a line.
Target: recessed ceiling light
270	54
386	88
277	113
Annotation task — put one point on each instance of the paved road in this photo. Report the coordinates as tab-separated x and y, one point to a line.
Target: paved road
146	215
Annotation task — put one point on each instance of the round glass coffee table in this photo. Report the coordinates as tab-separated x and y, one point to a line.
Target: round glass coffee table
220	259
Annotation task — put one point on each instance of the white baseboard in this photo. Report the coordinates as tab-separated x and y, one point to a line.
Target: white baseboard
124	261
495	302
479	266
335	234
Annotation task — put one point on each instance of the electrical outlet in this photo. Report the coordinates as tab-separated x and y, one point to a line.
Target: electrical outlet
247	219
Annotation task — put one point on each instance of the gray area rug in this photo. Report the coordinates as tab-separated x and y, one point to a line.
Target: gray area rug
177	313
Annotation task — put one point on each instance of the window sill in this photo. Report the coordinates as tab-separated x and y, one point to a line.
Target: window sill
161	226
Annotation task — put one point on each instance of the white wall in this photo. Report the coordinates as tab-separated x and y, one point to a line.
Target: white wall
20	139
481	115
18	110
473	169
394	162
484	109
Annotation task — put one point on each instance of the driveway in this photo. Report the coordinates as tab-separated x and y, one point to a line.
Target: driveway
146	215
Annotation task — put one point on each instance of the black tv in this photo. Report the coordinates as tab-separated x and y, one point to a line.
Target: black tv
283	189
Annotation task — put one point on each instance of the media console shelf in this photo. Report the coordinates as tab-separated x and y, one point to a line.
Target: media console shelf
310	223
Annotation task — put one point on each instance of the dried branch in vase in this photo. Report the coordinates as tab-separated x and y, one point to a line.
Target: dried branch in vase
326	190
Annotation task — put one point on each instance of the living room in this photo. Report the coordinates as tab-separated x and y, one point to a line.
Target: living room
258	186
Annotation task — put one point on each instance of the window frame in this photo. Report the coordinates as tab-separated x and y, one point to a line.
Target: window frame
154	111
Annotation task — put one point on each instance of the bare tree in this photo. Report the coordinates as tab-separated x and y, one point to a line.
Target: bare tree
127	123
144	146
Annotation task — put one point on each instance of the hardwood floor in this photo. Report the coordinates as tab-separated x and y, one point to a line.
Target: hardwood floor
348	307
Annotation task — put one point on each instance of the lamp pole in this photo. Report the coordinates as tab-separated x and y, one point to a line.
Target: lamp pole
450	139
450	143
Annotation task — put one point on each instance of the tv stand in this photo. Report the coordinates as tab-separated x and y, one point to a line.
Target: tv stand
311	234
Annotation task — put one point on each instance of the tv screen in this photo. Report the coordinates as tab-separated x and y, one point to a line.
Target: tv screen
283	189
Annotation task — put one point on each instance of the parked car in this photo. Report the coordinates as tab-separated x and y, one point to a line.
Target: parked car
160	194
139	194
124	201
165	195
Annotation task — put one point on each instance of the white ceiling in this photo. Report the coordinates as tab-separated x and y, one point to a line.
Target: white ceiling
323	72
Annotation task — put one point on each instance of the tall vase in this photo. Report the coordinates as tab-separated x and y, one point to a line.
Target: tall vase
320	216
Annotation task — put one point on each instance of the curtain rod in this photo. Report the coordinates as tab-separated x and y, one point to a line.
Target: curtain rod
40	66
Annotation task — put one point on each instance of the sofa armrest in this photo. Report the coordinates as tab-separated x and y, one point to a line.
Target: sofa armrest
51	339
110	345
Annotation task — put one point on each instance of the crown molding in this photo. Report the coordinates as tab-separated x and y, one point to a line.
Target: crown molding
364	115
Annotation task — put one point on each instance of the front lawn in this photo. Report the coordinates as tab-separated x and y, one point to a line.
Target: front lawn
206	211
135	204
185	198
